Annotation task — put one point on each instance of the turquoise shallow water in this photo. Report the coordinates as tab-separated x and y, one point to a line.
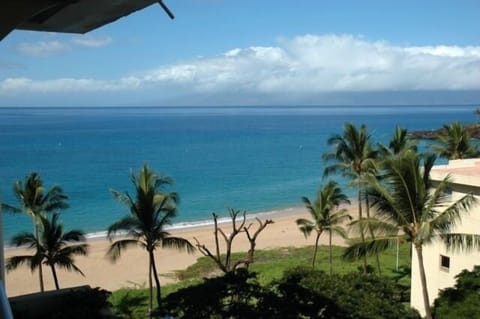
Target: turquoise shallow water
257	159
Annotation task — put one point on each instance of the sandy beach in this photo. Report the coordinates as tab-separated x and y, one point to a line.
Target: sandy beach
132	268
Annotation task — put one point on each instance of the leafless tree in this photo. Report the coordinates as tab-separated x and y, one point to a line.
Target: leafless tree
238	223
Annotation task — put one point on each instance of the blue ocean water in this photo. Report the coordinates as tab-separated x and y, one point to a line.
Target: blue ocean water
252	158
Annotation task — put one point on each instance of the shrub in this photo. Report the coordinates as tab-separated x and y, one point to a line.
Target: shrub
461	301
354	295
300	293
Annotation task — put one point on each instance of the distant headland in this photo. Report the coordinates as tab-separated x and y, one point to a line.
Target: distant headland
474	130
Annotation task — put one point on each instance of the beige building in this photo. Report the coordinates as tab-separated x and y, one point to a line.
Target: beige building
441	266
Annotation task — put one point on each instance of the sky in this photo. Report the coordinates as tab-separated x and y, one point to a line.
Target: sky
255	52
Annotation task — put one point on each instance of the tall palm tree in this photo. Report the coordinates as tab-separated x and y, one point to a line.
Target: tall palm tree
150	211
52	248
354	158
326	216
37	203
455	142
408	207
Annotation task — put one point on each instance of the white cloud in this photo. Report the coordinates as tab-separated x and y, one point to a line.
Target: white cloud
91	42
42	48
64	85
446	51
303	65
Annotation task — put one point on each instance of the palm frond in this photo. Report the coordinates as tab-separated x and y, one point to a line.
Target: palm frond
14	262
428	163
67	263
37	259
341	167
24	238
11	209
340	216
447	219
178	243
54	200
461	242
438	198
375	225
369	247
123	198
80	249
162	180
168	214
339	230
306	226
310	207
124	224
117	247
389	196
74	236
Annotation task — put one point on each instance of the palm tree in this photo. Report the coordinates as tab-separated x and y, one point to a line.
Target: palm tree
36	203
398	143
325	218
455	143
150	211
408	207
355	159
53	247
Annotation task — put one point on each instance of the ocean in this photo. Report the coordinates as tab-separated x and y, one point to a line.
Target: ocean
248	158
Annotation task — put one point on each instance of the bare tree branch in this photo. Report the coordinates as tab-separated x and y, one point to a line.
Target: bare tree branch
226	264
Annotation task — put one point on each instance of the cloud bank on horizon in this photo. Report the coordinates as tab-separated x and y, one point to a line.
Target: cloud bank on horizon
303	66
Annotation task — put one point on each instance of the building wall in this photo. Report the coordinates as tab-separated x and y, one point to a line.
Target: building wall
439	277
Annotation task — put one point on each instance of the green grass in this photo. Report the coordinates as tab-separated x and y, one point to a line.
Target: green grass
269	266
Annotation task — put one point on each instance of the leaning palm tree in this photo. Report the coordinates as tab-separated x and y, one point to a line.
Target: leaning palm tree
408	207
455	142
52	248
37	203
326	216
354	158
151	210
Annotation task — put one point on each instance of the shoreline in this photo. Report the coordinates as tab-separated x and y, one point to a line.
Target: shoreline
131	269
269	214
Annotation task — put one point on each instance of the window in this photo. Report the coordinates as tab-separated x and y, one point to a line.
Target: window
444	262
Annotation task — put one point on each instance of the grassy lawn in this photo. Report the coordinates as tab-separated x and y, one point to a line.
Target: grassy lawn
269	265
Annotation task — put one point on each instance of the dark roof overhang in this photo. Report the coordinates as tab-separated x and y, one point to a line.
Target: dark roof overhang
71	16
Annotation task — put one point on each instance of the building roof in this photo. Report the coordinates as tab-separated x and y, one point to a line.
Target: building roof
464	172
71	16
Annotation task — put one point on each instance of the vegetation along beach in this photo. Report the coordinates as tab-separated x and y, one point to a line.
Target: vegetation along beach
273	176
199	159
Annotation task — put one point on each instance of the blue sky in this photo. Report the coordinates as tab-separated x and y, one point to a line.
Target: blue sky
255	52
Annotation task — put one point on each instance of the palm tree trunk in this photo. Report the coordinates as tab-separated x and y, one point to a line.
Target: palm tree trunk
150	290
360	217
55	279
367	204
330	248
423	279
315	250
40	270
157	281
